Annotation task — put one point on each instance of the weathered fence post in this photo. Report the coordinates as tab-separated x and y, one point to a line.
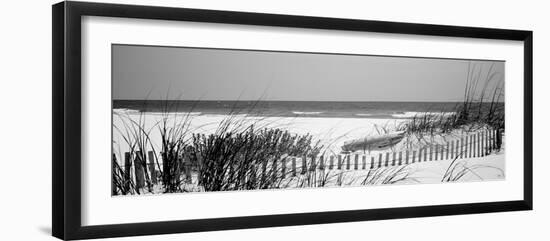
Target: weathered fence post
442	152
371	162
400	159
436	153
482	150
456	152
274	168
471	147
447	149
113	175
283	167
138	170
393	159
379	160
425	151
474	143
331	162
497	139
492	141
322	162
430	148
452	149
264	170
356	162
304	165
486	142
478	145
293	166
127	170
313	164
151	157
348	157
468	147
387	159
364	159
187	165
413	156
461	153
407	156
339	166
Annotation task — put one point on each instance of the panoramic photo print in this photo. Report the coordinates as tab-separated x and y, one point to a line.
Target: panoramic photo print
203	120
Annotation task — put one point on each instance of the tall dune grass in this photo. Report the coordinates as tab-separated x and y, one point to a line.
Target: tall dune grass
482	106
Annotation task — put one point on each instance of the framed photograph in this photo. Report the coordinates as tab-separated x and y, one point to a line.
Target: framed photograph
170	120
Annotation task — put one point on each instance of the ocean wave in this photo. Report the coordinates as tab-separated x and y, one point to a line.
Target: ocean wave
125	111
307	113
183	113
412	114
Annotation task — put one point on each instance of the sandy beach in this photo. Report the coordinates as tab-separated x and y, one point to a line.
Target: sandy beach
331	134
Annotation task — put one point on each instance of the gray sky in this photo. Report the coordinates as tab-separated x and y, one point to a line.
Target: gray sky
149	72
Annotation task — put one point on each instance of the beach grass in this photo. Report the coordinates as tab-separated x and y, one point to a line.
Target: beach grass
482	107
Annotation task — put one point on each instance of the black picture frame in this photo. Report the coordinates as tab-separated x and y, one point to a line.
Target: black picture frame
66	129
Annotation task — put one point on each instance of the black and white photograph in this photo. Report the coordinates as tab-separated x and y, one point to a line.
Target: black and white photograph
192	119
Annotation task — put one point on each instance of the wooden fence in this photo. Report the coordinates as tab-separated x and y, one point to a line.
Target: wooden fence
478	144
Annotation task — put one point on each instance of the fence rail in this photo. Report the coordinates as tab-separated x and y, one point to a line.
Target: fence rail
138	168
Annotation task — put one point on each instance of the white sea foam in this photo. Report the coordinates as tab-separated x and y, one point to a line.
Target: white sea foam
307	113
412	114
183	113
363	114
125	111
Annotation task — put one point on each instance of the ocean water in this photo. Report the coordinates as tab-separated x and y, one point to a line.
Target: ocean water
375	110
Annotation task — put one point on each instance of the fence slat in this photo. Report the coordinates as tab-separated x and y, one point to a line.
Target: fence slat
313	164
331	162
138	170
303	170
283	167
273	170
497	133
264	169
407	157
379	160
339	162
413	156
356	164
452	154
294	166
478	144
462	145
492	140
113	175
486	142
430	150
348	157
436	153
471	146
425	151
127	170
187	165
387	159
420	155
371	162
393	159
482	143
364	159
151	165
322	162
400	159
